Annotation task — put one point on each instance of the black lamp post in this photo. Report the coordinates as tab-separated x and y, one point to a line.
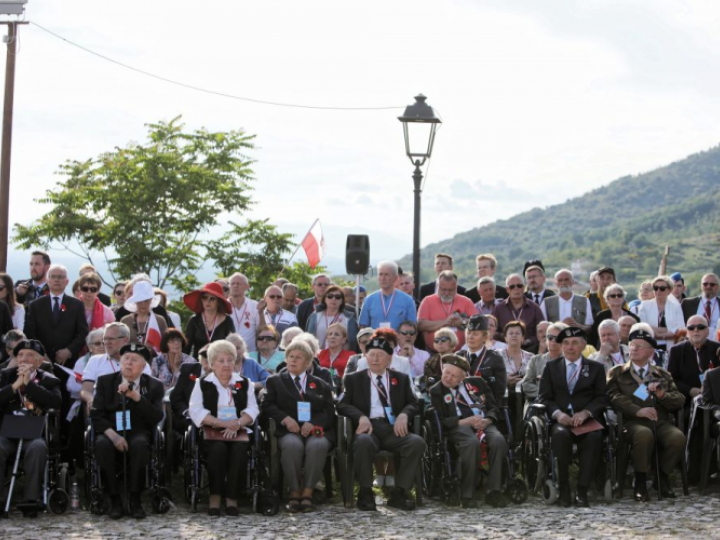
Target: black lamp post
419	124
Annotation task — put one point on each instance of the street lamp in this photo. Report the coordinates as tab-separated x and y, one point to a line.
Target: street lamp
419	125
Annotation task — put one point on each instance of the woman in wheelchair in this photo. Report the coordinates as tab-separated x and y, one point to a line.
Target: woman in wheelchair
302	406
467	411
223	403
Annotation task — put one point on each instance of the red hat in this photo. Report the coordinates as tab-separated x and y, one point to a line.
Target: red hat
193	301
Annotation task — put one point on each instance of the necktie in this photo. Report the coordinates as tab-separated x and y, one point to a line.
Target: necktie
708	311
473	358
298	385
56	310
571	380
641	373
465	409
537	298
382	393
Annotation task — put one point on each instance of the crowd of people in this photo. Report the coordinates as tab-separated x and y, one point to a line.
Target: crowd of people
377	358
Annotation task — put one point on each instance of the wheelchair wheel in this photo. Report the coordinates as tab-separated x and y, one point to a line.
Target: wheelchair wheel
58	501
549	492
516	491
431	461
534	469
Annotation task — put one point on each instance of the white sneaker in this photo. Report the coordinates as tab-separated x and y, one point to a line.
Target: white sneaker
380	480
389	481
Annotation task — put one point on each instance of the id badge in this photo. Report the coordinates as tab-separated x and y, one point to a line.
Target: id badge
384	325
119	421
476	411
303	411
642	393
227	413
390	415
702	378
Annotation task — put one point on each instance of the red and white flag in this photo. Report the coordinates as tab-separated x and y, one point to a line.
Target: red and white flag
153	336
314	245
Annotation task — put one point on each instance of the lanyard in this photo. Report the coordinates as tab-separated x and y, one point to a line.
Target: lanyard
244	315
112	363
302	385
211	333
518	316
447	312
328	323
481	360
385	310
274	319
387	385
615	360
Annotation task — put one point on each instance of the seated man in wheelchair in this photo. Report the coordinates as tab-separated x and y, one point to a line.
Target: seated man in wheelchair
572	388
26	389
468	413
116	432
647	397
484	362
381	404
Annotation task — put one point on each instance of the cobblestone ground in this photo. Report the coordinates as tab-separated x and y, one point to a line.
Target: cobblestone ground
689	517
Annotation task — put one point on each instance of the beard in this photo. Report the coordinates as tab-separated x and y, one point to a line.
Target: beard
447	299
563	290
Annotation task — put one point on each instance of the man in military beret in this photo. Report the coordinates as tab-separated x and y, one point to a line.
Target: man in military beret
573	390
468	413
646	395
141	396
26	389
484	362
381	404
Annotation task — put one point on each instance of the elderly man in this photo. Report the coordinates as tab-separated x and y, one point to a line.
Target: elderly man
573	390
647	396
443	263
484	362
407	334
245	315
605	278
446	309
486	291
486	265
566	306
388	307
690	359
612	353
626	322
469	414
518	308
141	397
535	278
26	389
290	293
381	405
31	289
320	283
58	320
706	304
531	381
273	313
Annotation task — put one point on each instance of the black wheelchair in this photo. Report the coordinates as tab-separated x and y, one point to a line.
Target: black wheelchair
710	429
540	463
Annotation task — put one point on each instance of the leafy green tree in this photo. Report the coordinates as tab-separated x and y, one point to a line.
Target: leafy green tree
301	275
145	207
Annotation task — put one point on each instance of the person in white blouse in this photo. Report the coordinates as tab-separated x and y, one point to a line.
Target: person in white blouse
7	295
224	404
663	313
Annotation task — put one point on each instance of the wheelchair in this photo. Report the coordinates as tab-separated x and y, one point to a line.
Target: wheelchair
540	464
195	479
710	429
154	475
441	466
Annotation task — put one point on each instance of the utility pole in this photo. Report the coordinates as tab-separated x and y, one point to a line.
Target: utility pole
7	143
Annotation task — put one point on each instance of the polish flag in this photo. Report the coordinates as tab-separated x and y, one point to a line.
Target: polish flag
314	245
153	336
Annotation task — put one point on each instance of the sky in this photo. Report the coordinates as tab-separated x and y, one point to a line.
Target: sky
540	101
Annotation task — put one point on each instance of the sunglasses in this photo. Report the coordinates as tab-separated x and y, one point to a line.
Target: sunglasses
442	339
660	288
408	332
333	296
266	338
515	286
274	296
89	289
616	295
208	298
550	337
693	327
709	284
119	292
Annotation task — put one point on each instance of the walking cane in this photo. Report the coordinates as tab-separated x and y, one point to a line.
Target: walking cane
125	453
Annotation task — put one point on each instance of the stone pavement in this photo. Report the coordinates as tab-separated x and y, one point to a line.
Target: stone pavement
688	517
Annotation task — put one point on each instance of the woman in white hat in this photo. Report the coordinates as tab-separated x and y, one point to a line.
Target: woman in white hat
146	328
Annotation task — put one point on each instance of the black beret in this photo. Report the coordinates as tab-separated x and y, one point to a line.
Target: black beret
478	322
571	331
32	344
380	343
142	350
534	262
455	360
643	335
606	270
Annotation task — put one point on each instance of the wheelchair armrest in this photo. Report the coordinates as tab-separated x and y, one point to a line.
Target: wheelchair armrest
537	409
272	427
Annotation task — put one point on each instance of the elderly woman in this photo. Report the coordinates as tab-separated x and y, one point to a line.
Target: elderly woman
247	367
288	336
615	297
166	366
491	343
97	314
95	345
122	311
146	327
211	321
663	313
329	311
335	357
268	354
12	338
516	361
302	406
445	342
7	295
224	404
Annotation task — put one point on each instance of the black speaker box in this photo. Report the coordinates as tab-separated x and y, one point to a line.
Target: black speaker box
357	254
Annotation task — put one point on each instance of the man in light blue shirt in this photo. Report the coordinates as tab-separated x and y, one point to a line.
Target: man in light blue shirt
388	307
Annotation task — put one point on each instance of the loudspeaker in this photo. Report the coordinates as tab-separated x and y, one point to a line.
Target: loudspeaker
357	254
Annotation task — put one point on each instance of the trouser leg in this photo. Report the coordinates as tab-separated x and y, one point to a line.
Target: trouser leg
672	445
468	448
138	460
642	445
7	459
410	449
104	451
561	444
590	449
497	453
316	450
292	450
34	466
365	447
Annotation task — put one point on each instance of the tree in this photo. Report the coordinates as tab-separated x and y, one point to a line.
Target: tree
144	207
301	275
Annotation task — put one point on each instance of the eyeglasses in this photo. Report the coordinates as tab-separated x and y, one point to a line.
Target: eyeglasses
119	292
708	284
616	296
274	296
108	339
515	286
550	337
639	347
408	332
441	339
97	343
266	338
89	289
322	284
208	298
660	288
333	296
694	327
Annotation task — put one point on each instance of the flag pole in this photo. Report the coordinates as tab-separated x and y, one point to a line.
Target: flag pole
296	249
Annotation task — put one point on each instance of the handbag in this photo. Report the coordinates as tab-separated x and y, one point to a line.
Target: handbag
212	434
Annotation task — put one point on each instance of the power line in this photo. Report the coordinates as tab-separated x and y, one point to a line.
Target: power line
205	90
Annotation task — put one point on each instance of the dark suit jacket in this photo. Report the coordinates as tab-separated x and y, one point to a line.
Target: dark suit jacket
144	414
180	396
304	310
70	332
589	393
281	399
546	293
6	322
317	371
690	306
594	338
473	294
31	294
43	391
683	364
239	395
492	370
356	400
429	288
479	392
711	387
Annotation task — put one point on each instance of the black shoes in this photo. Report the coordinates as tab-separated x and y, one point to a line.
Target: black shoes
496	499
469	503
214	512
640	493
136	509
116	507
366	500
581	498
565	500
399	499
666	491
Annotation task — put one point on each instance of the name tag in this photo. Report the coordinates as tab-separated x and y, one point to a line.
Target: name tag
390	415
384	325
642	393
119	425
477	412
227	413
303	411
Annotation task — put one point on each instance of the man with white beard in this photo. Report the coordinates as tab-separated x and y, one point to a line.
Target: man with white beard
567	307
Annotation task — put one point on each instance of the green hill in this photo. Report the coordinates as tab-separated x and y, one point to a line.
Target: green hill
626	225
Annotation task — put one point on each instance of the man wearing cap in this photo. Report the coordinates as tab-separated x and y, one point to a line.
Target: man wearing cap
483	362
535	278
706	304
691	358
142	397
612	353
572	389
678	286
646	395
381	405
26	389
468	413
605	278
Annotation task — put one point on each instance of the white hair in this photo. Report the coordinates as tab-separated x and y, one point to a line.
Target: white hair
609	323
388	264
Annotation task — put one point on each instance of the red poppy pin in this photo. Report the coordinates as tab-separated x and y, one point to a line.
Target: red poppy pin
473	388
318	431
62	307
448	398
238	385
312	386
193	377
247	324
393	381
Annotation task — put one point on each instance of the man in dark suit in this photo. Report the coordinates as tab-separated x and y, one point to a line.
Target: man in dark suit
381	404
708	304
535	278
443	262
486	267
690	359
31	289
573	390
142	397
320	283
468	413
58	320
711	390
26	389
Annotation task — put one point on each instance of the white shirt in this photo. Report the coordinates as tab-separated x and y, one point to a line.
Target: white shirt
102	364
197	410
398	363
714	310
18	317
175	319
246	321
465	396
565	310
377	409
637	369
